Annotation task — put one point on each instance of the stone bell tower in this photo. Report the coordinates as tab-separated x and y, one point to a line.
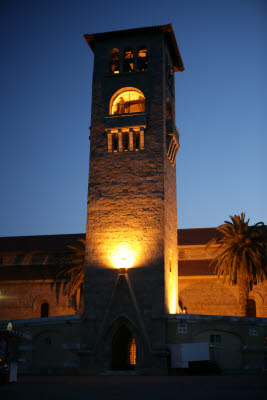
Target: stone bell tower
131	237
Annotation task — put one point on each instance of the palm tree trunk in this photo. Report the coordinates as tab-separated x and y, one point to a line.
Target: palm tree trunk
243	296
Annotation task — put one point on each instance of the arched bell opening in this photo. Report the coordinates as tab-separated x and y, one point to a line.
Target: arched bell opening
123	350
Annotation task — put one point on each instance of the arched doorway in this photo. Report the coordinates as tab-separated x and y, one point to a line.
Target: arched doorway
123	350
44	310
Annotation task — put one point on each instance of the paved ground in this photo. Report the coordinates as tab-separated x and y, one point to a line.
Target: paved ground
137	388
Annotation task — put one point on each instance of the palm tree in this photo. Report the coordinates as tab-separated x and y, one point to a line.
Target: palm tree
72	269
241	256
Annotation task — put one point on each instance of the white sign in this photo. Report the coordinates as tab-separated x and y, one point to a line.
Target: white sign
182	353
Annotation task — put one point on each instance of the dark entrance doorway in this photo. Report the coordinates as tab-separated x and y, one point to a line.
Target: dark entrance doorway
123	350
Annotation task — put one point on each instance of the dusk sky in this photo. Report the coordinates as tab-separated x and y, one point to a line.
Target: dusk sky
45	93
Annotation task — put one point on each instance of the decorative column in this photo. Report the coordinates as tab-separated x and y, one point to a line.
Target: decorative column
109	141
120	140
142	139
135	59
131	139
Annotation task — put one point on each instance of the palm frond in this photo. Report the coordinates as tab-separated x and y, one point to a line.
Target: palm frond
72	269
241	250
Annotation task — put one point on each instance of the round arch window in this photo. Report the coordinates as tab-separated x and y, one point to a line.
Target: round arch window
127	101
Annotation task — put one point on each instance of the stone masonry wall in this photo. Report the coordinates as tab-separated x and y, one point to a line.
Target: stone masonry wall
23	299
131	195
126	189
206	295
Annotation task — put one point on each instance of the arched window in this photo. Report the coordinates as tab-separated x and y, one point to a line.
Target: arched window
142	59
251	310
114	65
126	101
132	352
44	310
128	61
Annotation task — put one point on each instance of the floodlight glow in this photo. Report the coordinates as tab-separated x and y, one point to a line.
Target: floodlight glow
124	257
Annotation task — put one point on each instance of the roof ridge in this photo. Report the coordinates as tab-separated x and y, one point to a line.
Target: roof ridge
188	229
38	236
132	29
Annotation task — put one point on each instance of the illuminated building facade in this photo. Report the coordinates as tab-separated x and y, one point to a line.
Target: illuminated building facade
134	316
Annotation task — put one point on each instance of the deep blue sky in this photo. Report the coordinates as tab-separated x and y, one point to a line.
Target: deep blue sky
46	73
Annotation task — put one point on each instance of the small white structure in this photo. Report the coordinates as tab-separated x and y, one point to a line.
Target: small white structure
9	326
182	353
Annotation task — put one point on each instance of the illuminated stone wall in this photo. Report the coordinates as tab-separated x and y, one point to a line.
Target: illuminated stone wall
126	189
23	299
22	296
206	295
131	196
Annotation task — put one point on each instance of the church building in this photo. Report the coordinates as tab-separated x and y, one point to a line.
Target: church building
151	301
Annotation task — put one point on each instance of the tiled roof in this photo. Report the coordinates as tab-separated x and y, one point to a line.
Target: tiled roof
200	236
196	236
58	243
47	243
195	268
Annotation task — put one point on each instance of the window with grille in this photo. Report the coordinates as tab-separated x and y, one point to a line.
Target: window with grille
182	328
215	339
253	331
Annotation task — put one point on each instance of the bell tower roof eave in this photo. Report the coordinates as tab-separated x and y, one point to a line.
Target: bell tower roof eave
167	29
